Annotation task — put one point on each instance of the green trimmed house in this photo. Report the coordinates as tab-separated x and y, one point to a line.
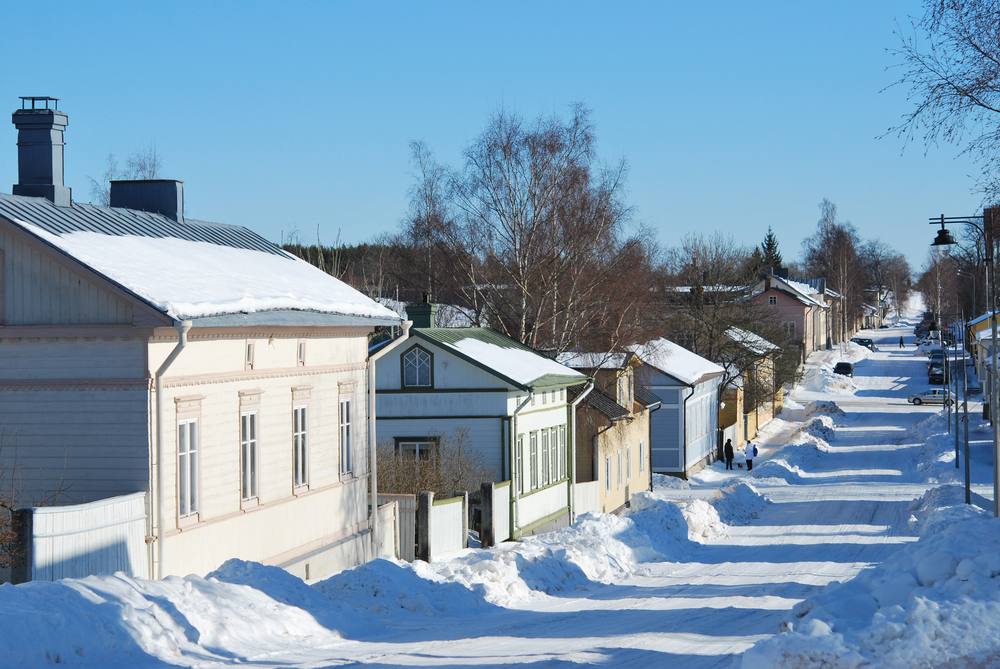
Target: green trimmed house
507	400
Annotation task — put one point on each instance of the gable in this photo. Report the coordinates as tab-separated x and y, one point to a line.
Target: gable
37	289
448	371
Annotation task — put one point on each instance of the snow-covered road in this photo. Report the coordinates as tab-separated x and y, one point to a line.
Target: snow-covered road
617	591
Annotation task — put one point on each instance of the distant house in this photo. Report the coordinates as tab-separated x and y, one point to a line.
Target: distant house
685	430
753	398
509	401
613	427
143	351
802	309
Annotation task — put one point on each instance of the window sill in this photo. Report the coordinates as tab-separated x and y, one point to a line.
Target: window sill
301	491
248	505
187	522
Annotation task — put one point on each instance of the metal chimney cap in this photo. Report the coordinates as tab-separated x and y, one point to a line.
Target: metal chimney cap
39	98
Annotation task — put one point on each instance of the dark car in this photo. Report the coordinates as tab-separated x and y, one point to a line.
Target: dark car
844	368
867	343
935	373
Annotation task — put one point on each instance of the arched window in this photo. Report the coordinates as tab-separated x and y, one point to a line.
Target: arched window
417	368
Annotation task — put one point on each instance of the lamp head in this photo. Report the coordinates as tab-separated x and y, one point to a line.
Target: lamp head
943	242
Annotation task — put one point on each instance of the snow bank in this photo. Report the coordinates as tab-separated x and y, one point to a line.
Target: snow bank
113	620
739	503
669	482
935	602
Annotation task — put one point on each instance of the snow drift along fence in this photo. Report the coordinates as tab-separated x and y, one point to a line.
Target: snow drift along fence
586	497
406	518
442	525
105	536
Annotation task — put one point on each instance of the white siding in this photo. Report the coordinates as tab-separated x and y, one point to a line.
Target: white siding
441	404
37	290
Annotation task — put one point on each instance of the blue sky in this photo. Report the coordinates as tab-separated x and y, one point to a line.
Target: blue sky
284	116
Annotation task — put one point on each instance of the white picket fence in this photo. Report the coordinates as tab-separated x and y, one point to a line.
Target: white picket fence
501	512
105	536
448	526
406	518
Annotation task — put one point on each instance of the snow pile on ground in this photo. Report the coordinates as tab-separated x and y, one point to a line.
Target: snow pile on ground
703	520
818	430
940	508
113	620
824	407
805	447
670	482
936	602
822	379
739	503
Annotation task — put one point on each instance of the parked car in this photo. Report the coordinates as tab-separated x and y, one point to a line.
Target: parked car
935	373
933	396
867	343
844	368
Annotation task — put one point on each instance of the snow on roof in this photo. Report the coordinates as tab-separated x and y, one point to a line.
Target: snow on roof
190	278
752	342
803	290
592	360
676	360
977	321
508	358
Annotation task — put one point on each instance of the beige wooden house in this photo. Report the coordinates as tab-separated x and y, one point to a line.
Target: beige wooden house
612	427
141	351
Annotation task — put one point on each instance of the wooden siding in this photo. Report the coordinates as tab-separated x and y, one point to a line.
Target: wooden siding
440	404
23	360
37	290
93	443
484	435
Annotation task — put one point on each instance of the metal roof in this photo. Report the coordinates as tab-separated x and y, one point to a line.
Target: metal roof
119	222
600	402
646	397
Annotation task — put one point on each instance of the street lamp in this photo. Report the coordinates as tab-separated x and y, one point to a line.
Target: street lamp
944	242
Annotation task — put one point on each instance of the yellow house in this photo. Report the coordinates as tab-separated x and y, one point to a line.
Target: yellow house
612	428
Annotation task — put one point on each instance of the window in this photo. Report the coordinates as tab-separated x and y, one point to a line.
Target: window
520	460
249	363
642	462
416	450
301	358
628	386
545	397
300	433
346	464
187	467
772	300
619	468
533	457
554	453
532	399
562	452
789	329
562	394
607	474
546	469
621	389
417	368
628	463
248	455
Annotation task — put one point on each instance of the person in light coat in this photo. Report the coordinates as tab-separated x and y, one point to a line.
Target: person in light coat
748	452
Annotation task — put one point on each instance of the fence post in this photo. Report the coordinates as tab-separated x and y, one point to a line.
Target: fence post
20	571
465	519
487	533
425	508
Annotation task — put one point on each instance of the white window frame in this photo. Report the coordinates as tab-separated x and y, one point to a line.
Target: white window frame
188	468
249	456
533	457
607	474
772	300
249	352
619	468
521	478
346	458
416	447
546	459
419	361
642	463
300	443
628	463
562	452
300	353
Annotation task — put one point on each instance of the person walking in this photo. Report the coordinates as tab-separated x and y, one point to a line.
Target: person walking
750	451
901	344
729	454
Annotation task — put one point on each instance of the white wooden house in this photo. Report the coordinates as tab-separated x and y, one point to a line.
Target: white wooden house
141	351
685	430
508	400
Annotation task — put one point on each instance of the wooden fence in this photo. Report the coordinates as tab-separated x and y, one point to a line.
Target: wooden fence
586	497
105	536
406	517
442	525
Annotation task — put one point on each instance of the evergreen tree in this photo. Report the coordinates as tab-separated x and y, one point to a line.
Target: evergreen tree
769	249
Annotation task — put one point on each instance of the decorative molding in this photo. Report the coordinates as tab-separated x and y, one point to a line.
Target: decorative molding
264	332
189	404
76	384
301	393
256	375
347	387
250	397
73	332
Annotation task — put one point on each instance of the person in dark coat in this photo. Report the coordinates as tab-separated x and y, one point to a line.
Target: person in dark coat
901	344
729	454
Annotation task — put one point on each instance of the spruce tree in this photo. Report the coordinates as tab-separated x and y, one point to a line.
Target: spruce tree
769	248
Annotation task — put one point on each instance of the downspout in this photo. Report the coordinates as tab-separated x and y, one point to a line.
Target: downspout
518	476
649	441
182	328
572	469
372	454
684	422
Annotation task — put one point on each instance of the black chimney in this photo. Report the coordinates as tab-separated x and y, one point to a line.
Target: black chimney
157	196
40	150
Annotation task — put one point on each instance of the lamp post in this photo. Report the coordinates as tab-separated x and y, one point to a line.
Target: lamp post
944	242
